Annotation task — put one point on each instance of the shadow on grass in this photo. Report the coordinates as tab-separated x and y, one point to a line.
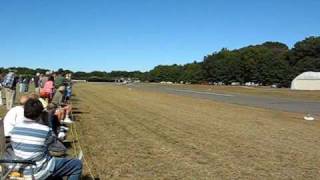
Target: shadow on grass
78	112
87	177
68	143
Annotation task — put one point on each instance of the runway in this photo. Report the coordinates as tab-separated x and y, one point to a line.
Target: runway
281	104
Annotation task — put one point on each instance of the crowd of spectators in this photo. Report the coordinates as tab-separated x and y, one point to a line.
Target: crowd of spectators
36	128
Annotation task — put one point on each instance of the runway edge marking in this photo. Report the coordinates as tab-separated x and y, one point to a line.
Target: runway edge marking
201	92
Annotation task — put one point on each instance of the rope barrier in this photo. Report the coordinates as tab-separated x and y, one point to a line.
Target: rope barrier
76	135
75	153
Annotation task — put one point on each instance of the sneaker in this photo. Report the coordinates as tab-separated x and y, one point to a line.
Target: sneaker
61	135
67	121
80	156
64	128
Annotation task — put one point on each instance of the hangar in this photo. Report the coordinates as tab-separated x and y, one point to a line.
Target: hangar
306	81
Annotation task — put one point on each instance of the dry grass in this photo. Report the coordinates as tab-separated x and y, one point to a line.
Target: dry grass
135	134
256	91
2	112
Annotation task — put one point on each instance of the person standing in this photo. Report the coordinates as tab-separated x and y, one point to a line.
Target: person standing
26	82
9	83
59	81
1	103
47	91
1	79
43	79
36	81
20	82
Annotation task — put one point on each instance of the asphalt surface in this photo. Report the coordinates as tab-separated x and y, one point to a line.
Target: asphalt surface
280	104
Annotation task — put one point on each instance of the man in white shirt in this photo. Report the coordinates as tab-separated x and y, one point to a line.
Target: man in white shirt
15	115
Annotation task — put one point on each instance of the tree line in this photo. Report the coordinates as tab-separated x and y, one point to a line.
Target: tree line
266	64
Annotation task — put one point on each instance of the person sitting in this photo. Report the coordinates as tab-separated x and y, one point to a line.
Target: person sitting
60	114
58	103
52	118
29	142
14	115
55	120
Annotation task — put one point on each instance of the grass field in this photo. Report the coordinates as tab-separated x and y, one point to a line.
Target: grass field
136	134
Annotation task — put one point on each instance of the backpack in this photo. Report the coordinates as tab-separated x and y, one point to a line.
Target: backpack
8	80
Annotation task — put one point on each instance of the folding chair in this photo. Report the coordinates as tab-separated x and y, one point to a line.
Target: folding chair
7	166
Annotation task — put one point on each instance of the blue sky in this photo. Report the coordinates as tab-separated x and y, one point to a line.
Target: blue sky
110	35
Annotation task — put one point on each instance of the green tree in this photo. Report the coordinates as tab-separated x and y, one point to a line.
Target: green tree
192	73
305	55
166	73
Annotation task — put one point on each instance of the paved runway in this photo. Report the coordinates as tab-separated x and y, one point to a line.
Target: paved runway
281	104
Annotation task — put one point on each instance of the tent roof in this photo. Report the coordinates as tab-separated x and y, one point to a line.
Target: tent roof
309	75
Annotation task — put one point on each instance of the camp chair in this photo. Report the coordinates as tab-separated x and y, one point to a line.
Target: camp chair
7	166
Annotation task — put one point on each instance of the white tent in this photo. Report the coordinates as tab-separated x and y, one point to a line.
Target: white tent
306	81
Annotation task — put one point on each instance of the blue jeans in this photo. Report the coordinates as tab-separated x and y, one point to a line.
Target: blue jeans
71	168
53	122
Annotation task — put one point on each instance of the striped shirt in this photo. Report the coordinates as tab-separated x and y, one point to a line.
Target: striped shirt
28	140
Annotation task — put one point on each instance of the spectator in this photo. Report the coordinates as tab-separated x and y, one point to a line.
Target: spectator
31	135
21	85
47	91
58	103
61	113
59	81
14	115
68	91
58	97
43	80
36	81
9	83
1	79
26	83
